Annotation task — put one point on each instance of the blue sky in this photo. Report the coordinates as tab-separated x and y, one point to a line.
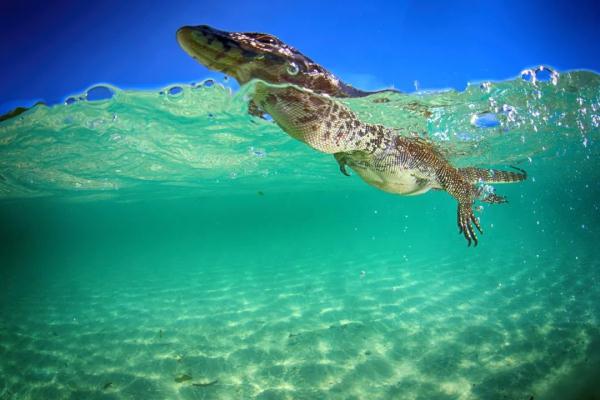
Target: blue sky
55	48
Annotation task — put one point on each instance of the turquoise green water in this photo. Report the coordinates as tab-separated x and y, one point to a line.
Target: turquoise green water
170	246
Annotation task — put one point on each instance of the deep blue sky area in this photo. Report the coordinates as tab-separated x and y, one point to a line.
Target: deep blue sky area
54	48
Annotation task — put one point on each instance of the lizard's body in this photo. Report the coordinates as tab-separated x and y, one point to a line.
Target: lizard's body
381	157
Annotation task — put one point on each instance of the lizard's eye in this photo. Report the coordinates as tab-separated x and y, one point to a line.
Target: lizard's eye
293	68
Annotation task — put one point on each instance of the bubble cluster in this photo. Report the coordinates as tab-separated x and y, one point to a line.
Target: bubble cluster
194	135
540	74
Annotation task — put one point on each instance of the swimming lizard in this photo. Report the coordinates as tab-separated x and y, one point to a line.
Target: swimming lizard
379	155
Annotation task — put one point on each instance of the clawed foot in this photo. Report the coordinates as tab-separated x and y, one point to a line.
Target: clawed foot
466	220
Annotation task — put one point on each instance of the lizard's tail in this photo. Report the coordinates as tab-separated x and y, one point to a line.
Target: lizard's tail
475	175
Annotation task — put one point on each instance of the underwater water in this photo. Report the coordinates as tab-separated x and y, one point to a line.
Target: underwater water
167	245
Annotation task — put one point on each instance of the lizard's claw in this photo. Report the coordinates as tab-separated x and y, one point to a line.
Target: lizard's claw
341	160
466	220
343	169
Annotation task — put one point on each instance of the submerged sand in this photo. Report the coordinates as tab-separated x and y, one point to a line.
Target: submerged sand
386	328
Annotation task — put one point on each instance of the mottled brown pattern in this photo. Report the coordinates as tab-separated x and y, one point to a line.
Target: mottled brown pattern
307	119
374	150
316	101
248	55
397	164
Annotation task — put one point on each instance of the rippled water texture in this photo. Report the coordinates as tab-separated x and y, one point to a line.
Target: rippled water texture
167	245
200	137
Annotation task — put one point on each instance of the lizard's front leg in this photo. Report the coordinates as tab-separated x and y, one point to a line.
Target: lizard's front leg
255	110
341	160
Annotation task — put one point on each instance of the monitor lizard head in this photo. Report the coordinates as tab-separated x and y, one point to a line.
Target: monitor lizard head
248	55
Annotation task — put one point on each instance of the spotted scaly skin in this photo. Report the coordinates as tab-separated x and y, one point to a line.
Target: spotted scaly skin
248	55
400	165
493	175
393	163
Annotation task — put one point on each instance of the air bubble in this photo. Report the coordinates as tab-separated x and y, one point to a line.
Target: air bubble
540	74
443	136
486	189
99	93
543	74
71	100
259	153
293	69
510	112
528	75
486	120
175	91
208	83
507	109
464	136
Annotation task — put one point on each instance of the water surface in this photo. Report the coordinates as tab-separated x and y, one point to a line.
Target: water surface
166	244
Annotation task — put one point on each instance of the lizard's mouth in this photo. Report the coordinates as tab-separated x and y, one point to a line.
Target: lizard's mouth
243	56
212	48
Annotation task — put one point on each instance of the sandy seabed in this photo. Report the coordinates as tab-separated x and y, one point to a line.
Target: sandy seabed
386	328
